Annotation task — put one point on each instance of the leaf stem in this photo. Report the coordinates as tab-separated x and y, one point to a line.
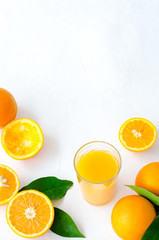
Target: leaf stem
145	193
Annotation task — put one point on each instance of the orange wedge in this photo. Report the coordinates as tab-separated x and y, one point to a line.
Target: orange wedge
137	134
30	214
9	184
22	138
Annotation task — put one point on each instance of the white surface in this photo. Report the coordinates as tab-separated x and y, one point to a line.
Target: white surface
80	69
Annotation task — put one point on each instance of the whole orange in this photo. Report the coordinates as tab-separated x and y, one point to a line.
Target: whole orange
148	177
8	107
131	216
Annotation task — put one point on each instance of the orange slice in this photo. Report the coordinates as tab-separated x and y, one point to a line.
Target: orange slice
22	138
30	214
9	184
137	134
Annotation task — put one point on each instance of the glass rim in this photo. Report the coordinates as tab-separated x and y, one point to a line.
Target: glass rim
117	173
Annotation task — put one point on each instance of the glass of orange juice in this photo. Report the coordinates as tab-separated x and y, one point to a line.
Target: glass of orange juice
97	165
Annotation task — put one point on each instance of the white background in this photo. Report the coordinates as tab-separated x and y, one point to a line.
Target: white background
80	69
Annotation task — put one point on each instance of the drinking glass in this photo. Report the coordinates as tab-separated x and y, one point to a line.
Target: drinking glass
93	192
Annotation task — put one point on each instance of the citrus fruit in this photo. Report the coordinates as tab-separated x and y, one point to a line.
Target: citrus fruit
137	134
9	184
148	177
8	107
30	213
131	216
22	138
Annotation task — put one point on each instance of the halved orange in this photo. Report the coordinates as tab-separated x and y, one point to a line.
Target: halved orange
137	134
22	138
30	214
9	184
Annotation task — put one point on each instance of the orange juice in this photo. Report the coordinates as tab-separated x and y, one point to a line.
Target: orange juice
97	166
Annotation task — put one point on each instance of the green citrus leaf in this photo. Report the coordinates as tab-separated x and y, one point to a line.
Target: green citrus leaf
145	193
53	187
153	231
64	226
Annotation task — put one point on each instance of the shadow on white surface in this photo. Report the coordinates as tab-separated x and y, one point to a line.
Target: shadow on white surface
24	112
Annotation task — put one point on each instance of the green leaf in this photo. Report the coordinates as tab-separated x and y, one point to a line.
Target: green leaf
145	193
53	187
64	226
153	231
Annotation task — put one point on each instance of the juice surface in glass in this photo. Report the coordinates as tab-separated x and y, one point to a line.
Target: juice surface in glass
97	166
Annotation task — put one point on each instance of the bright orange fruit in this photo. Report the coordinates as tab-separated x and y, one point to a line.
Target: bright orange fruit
8	107
137	134
131	216
22	138
30	214
148	177
9	184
